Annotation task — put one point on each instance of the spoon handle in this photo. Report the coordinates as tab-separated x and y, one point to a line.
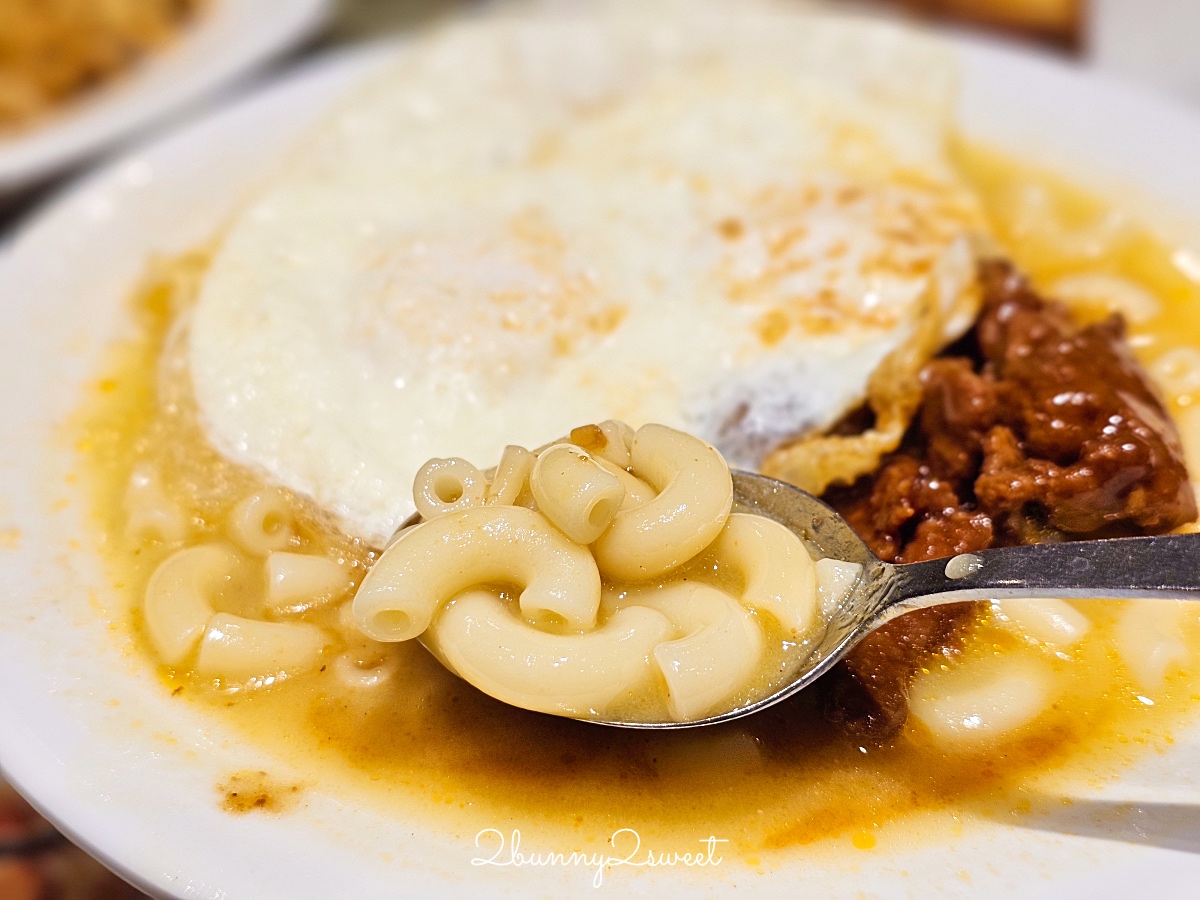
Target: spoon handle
1164	566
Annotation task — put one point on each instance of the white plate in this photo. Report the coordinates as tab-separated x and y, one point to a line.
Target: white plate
84	722
230	40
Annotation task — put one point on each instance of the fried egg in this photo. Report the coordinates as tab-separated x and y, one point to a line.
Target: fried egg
719	221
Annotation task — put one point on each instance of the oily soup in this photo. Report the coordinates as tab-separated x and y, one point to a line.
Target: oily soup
387	725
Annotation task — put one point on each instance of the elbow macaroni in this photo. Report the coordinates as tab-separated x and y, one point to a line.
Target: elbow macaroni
1055	623
511	481
300	581
262	523
715	649
181	604
601	576
575	492
694	497
435	561
652	504
235	648
637	492
152	515
447	485
609	440
178	605
963	706
778	571
835	580
479	638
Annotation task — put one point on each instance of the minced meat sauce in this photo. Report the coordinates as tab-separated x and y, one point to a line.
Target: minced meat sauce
1030	429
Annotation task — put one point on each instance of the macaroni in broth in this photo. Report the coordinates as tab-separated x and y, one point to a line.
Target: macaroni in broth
610	618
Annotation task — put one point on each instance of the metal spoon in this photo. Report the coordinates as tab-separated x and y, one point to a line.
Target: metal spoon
1166	566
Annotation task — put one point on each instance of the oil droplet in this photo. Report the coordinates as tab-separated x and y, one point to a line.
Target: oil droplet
863	840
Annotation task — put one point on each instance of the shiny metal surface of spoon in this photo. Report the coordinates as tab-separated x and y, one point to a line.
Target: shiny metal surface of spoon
1167	566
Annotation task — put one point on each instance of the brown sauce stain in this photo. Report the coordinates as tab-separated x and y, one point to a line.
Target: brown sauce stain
255	791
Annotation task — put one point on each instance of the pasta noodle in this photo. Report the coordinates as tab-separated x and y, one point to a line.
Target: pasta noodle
637	492
717	648
1036	218
364	663
235	648
619	442
1048	621
152	516
609	440
511	481
835	581
963	705
780	577
575	674
509	595
695	494
436	560
300	581
262	523
575	493
400	532
177	605
351	673
1178	374
1150	642
447	485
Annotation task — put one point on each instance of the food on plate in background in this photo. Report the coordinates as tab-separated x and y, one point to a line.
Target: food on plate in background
54	50
1057	22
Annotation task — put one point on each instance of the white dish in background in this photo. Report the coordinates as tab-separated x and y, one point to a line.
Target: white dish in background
85	720
229	40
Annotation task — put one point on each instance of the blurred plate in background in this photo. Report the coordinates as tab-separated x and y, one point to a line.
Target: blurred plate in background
228	41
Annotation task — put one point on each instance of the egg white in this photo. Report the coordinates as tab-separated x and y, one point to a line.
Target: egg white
722	222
